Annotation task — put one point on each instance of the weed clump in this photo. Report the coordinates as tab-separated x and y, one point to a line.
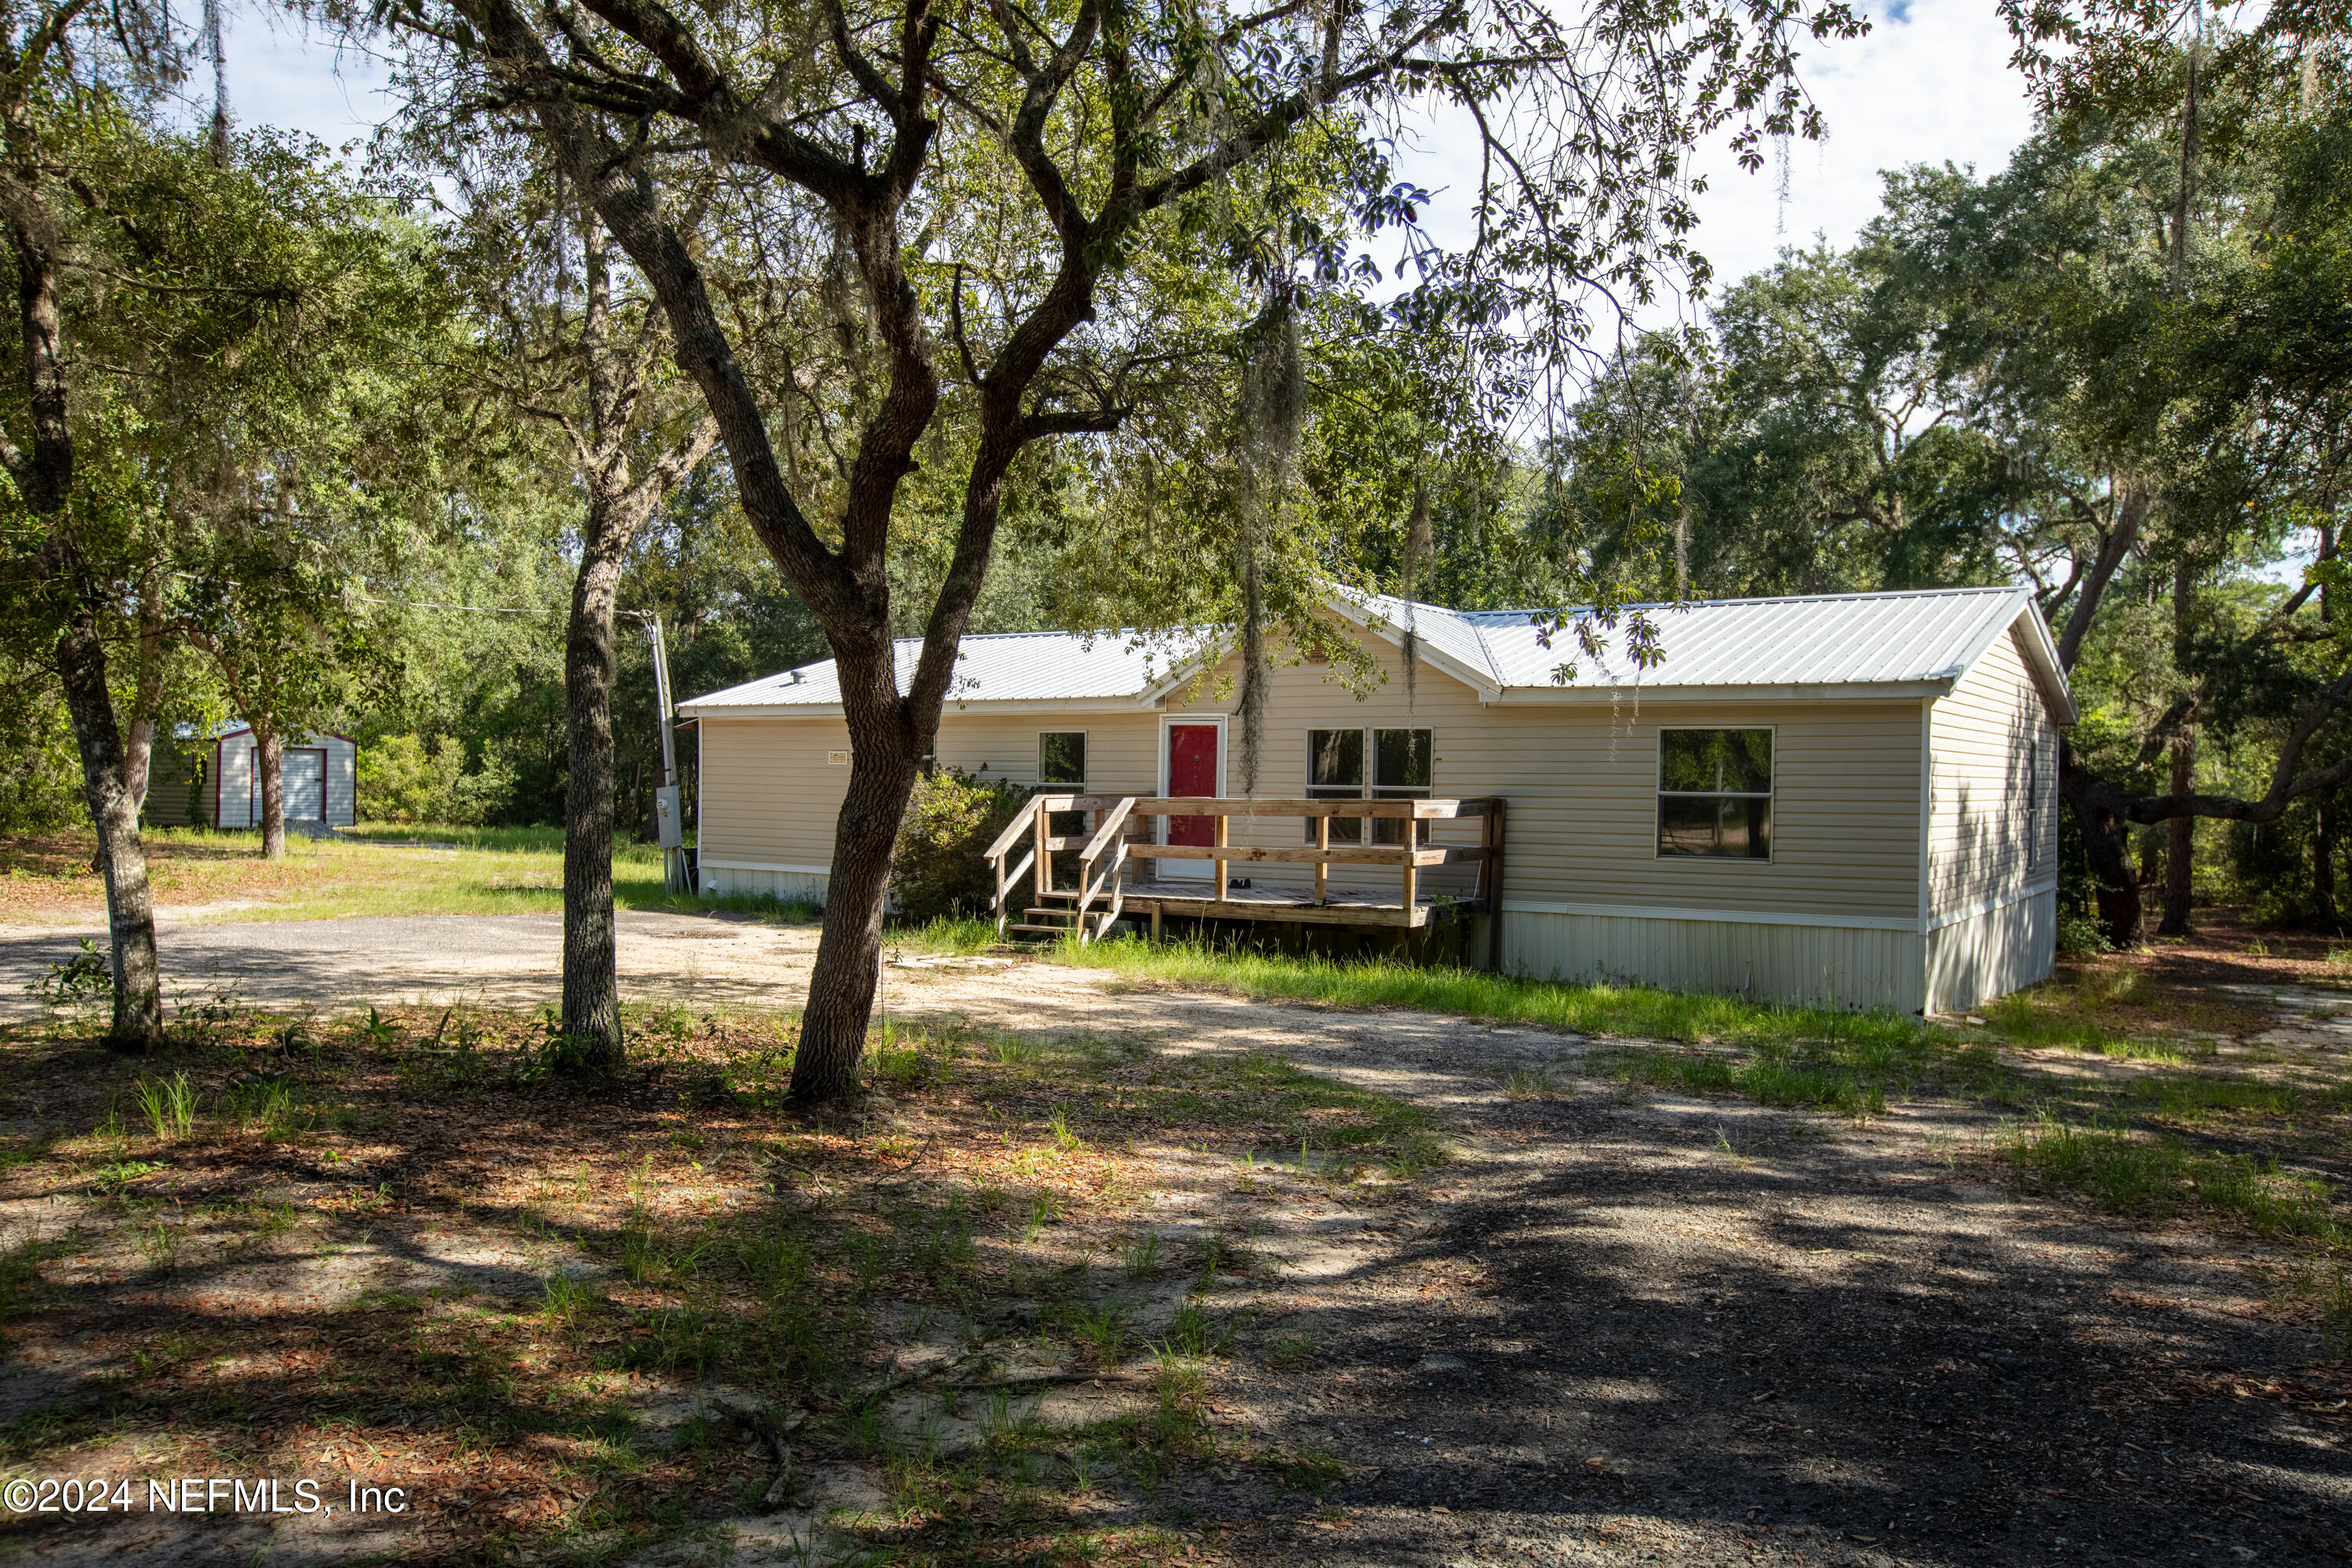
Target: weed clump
2157	1177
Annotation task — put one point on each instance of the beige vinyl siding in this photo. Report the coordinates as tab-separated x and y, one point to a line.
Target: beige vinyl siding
1121	758
769	796
1982	739
1582	780
1304	697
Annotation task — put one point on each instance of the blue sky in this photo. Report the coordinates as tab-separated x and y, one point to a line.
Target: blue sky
1930	83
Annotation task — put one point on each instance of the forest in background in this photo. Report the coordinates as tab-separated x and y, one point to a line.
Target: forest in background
2113	368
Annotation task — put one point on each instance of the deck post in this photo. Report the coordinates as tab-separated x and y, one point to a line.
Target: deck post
1493	876
1411	877
1045	877
1323	868
1223	838
1155	920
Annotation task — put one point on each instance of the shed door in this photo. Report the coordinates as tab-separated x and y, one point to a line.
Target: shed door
306	784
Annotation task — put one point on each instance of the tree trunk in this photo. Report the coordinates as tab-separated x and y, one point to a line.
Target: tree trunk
138	764
2106	844
592	985
45	483
147	682
847	587
2323	840
2322	865
269	762
849	951
2180	833
121	859
2180	839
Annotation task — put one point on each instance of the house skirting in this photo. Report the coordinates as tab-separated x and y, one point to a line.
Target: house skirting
1878	963
1836	966
790	884
1992	952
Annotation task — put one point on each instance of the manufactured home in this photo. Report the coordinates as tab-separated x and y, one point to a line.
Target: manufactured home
1839	798
217	783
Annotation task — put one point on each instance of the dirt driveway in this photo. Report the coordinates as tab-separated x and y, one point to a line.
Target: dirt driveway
1627	1329
494	959
1619	1327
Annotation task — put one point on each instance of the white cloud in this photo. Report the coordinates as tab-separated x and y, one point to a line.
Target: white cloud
282	73
1930	83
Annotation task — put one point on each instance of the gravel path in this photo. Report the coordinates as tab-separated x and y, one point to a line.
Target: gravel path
1625	1329
1619	1327
504	960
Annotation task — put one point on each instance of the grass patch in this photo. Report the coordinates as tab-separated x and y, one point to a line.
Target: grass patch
1777	1053
971	934
2156	1177
375	868
1629	1010
681	1226
1854	1078
2119	1011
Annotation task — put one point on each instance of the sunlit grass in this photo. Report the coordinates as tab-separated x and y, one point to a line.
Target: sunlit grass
1624	1010
2156	1177
973	934
1777	1053
2119	1012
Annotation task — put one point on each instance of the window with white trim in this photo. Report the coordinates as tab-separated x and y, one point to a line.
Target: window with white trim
1401	770
1376	764
1062	767
1062	759
1335	770
1715	794
2032	805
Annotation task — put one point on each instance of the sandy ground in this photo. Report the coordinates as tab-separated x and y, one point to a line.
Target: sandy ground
1618	1328
505	960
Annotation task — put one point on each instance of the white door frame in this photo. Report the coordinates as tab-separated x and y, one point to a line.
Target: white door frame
1189	870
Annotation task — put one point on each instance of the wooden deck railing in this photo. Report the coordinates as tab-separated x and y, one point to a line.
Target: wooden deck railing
1120	837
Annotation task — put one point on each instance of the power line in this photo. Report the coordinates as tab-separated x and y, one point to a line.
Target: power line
478	609
410	604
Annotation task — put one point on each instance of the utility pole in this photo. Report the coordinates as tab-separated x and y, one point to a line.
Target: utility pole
668	825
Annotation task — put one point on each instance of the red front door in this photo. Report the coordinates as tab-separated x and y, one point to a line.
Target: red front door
1192	770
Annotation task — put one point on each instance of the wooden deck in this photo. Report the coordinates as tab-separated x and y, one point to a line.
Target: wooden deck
1122	836
1340	906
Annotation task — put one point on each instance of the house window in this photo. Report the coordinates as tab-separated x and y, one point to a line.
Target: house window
1335	770
2032	805
1715	794
1061	758
1062	766
1400	770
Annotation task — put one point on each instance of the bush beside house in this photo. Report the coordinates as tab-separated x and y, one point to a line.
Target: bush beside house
936	871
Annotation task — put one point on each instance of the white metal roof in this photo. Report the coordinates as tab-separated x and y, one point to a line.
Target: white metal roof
1908	643
1102	668
1829	639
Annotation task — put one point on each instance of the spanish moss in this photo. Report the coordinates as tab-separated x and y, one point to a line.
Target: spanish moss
1272	403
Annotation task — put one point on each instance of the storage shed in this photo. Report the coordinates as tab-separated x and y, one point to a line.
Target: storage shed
217	781
1840	798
